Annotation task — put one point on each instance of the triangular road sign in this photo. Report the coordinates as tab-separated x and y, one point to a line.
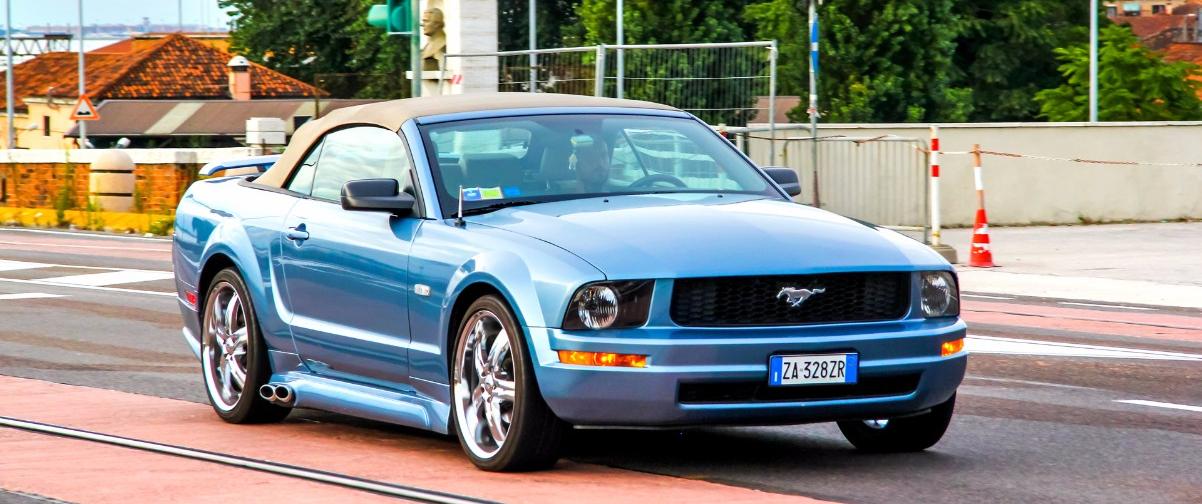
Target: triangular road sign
84	110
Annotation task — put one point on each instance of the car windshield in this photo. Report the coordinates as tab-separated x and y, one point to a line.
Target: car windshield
507	161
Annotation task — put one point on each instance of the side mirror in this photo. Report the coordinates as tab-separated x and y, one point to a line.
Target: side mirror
376	195
786	178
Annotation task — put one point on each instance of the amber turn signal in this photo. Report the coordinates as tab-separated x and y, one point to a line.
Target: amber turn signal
952	347
602	359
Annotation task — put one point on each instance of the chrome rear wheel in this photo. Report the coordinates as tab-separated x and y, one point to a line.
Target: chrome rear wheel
225	346
233	353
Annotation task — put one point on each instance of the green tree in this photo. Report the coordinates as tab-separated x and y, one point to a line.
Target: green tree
325	42
1005	52
683	78
556	24
1134	83
880	61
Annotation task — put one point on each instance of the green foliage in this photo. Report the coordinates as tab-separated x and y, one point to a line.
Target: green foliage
65	198
1005	52
161	226
556	20
331	38
1134	84
880	62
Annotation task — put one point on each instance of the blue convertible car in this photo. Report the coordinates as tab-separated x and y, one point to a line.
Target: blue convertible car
508	266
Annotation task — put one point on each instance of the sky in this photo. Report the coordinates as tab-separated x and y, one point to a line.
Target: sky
38	12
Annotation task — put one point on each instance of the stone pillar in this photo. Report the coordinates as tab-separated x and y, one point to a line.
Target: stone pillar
111	182
471	27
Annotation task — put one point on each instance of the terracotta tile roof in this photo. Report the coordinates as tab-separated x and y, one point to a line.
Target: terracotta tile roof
1151	26
1184	51
173	67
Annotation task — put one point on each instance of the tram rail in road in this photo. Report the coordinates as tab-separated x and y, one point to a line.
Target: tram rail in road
380	487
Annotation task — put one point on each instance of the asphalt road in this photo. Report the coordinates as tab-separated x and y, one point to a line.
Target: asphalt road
1037	419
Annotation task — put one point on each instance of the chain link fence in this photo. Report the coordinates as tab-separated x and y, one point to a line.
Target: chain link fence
721	83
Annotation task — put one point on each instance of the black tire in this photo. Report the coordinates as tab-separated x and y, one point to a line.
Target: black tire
535	434
249	407
905	434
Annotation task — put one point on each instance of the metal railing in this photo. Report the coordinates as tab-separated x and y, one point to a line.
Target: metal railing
882	180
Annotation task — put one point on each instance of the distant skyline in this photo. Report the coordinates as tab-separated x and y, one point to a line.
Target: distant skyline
63	12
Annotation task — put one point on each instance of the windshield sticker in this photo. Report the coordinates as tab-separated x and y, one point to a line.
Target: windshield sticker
511	191
487	193
471	194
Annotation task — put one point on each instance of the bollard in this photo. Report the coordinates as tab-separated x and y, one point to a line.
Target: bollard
946	251
111	182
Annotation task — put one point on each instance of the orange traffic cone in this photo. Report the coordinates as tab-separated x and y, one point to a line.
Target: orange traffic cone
980	256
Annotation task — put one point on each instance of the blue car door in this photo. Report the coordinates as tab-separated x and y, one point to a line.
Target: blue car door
345	271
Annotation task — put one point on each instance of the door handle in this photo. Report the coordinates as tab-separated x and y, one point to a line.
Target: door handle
297	233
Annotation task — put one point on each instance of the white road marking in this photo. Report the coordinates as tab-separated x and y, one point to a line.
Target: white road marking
1028	382
28	295
1121	307
6	265
111	277
89	287
982	296
1011	346
1155	404
97	247
82	235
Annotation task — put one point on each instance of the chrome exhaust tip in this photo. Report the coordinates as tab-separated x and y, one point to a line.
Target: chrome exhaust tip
284	395
267	392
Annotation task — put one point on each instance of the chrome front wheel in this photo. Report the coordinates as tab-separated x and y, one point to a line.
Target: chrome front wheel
225	346
485	389
497	410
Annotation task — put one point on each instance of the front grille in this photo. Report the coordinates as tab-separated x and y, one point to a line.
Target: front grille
754	301
759	391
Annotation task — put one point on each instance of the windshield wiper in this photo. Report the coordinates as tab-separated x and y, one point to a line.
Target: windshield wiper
497	206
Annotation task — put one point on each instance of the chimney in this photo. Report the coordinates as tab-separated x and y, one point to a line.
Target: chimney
239	71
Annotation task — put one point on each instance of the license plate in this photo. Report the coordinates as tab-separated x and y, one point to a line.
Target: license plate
786	370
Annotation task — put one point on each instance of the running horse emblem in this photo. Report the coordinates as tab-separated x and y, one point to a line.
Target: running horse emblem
795	297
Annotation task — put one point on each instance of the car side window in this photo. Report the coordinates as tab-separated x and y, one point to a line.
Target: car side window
302	180
362	152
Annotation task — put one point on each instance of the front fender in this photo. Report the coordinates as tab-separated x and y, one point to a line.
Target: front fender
534	278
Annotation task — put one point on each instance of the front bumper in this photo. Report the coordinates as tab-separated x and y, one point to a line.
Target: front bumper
701	357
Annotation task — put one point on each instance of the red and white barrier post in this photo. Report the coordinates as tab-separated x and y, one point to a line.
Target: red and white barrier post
936	223
979	255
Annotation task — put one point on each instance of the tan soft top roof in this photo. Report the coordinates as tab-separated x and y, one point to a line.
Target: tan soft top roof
392	114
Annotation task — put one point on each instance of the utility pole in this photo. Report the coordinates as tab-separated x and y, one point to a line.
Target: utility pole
533	46
83	125
8	72
813	109
180	7
415	48
621	57
1093	61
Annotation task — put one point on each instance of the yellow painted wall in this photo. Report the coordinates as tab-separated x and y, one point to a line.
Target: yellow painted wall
97	221
60	123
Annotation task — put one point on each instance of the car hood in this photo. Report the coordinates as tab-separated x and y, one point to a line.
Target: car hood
692	235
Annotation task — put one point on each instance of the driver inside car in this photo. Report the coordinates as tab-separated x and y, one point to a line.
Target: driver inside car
590	161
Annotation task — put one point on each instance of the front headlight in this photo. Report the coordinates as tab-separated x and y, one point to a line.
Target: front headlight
940	294
605	305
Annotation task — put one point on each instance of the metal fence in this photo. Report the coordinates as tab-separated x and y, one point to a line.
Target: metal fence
721	83
881	180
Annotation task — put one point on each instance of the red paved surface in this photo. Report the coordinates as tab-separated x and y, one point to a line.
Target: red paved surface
1141	325
79	471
